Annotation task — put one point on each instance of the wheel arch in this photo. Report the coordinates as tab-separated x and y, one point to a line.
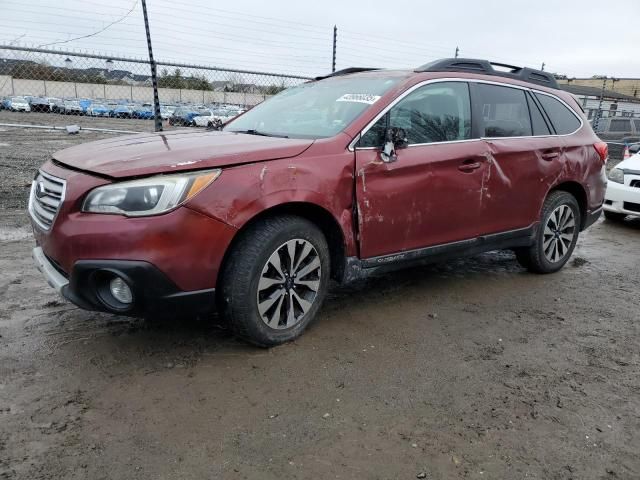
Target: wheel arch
316	214
579	193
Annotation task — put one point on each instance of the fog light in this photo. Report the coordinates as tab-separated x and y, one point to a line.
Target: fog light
120	290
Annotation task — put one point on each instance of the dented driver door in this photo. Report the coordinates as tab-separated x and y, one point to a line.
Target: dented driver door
429	196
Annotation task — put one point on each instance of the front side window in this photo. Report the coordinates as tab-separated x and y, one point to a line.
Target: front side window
438	112
504	111
562	118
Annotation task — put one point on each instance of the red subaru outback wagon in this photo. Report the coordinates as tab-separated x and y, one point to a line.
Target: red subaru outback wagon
360	171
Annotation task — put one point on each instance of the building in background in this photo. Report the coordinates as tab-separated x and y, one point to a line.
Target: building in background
614	104
625	86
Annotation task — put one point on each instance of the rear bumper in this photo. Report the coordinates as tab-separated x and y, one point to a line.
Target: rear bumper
153	292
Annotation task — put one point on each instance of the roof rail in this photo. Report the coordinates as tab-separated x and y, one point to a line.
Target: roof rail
346	71
486	67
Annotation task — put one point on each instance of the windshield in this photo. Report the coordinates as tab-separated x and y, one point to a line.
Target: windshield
316	109
18	99
98	105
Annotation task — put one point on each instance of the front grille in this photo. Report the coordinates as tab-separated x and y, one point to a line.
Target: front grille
635	183
47	194
632	207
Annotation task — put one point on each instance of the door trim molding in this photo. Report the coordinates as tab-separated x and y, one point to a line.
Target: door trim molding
356	268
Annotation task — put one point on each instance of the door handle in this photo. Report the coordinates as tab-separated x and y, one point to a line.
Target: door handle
550	155
469	166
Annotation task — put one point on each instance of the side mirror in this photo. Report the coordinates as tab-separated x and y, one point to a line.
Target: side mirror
394	138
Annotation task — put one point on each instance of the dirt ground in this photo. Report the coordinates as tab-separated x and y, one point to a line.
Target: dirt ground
466	369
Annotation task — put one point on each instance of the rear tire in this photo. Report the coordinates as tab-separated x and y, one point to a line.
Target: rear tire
275	279
614	216
556	237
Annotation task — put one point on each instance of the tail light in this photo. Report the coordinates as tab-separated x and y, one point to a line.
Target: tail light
603	150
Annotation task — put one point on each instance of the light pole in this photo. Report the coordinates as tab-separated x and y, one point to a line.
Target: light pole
154	74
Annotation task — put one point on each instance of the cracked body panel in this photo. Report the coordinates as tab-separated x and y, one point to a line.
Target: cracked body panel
323	177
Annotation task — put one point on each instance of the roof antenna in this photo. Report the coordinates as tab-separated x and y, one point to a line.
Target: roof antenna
457	51
542	67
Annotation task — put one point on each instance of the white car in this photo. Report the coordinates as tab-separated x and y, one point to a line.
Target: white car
19	104
166	111
216	117
623	190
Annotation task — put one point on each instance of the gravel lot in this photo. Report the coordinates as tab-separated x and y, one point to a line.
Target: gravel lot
466	369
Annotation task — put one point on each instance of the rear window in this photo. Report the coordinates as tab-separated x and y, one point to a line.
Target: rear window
620	125
563	119
504	111
637	124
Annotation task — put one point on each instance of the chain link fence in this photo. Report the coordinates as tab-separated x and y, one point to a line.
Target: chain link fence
88	85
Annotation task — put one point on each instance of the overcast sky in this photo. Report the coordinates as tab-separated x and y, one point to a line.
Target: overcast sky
574	37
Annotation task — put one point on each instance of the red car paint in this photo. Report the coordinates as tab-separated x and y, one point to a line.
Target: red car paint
427	197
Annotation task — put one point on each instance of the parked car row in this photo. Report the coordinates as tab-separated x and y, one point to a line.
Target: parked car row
211	116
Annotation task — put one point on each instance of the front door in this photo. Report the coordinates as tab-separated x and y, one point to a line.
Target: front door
432	193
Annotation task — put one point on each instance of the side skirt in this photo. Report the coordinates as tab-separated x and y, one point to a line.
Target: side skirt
356	268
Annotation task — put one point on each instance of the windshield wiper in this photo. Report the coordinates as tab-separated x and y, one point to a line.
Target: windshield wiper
252	131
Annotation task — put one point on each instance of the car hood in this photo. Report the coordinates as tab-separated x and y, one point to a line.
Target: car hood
631	163
151	153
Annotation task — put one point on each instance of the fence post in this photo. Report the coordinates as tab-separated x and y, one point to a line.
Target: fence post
75	88
154	73
13	90
599	112
335	42
104	91
44	83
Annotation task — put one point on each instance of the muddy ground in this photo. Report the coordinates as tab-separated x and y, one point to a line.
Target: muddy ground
466	369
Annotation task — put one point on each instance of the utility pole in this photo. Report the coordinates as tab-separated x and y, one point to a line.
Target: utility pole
335	42
542	67
599	112
457	51
154	74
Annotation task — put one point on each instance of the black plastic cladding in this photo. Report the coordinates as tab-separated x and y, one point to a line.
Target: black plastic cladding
485	67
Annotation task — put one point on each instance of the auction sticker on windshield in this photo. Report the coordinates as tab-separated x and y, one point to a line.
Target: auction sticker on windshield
359	98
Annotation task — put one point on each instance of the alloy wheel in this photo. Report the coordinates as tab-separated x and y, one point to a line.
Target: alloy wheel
559	233
289	284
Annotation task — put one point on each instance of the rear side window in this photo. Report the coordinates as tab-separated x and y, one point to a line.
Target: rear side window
504	111
538	123
562	118
637	124
620	125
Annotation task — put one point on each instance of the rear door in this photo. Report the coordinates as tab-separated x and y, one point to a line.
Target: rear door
524	156
431	194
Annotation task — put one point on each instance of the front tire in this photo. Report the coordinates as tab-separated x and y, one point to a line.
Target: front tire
275	280
556	237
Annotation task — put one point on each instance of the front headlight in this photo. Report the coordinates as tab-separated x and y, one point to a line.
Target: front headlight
616	175
149	196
